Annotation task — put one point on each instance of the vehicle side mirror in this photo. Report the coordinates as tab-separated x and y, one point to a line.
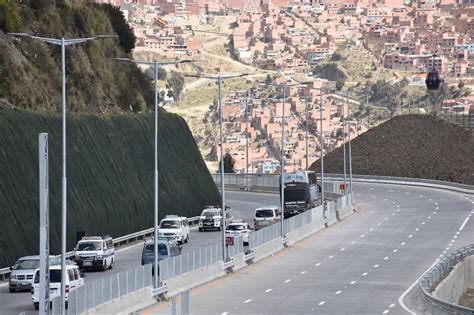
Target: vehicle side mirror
83	274
11	268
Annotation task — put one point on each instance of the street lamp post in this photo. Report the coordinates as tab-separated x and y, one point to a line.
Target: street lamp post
306	131
344	141
156	64
349	145
321	140
219	78
282	163
63	43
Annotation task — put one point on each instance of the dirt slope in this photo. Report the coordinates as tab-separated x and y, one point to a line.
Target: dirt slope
410	146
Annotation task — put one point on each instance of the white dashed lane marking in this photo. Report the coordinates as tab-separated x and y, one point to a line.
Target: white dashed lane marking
247	301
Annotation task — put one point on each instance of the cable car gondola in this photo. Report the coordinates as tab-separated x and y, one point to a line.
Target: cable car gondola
434	80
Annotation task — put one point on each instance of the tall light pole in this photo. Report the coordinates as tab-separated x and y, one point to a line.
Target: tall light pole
156	64
246	140
306	130
219	78
349	144
344	141
282	161
321	140
63	43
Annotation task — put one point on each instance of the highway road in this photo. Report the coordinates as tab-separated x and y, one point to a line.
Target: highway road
363	265
243	205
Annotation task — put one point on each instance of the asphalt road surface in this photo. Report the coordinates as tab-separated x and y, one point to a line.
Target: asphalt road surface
362	265
243	205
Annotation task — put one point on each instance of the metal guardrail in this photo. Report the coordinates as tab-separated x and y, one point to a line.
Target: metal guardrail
119	241
430	279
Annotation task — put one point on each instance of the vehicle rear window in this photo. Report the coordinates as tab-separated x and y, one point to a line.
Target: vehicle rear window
236	227
264	213
27	264
54	276
150	249
169	224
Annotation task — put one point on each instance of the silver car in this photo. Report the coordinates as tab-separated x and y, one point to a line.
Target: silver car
265	216
23	272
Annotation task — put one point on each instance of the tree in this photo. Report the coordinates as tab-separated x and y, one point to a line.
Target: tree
162	74
269	79
229	163
176	84
119	24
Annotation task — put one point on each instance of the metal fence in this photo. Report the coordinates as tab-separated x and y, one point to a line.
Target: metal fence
104	290
190	260
264	235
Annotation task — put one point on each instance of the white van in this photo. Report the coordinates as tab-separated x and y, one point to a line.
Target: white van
95	252
174	228
74	280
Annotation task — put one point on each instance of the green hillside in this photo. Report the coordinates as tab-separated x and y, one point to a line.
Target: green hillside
110	176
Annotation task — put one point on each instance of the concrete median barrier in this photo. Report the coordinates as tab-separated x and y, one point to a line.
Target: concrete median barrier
126	304
304	231
268	248
194	278
239	262
344	212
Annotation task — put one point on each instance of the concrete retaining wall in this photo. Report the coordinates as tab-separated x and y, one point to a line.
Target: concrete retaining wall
194	278
457	282
268	248
125	304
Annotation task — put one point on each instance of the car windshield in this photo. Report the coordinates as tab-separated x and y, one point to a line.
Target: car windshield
295	195
211	213
54	276
150	249
24	264
264	213
169	224
236	227
83	246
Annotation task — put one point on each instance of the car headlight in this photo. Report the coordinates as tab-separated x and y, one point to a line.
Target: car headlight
99	257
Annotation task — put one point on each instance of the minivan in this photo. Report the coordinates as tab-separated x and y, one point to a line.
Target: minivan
74	280
265	216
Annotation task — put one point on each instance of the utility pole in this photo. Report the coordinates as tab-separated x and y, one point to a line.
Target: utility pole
63	43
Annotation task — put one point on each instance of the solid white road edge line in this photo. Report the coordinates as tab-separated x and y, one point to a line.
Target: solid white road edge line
402	297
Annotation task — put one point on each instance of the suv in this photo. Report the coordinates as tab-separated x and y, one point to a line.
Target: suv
175	228
74	280
22	273
239	228
166	249
95	252
211	218
264	216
